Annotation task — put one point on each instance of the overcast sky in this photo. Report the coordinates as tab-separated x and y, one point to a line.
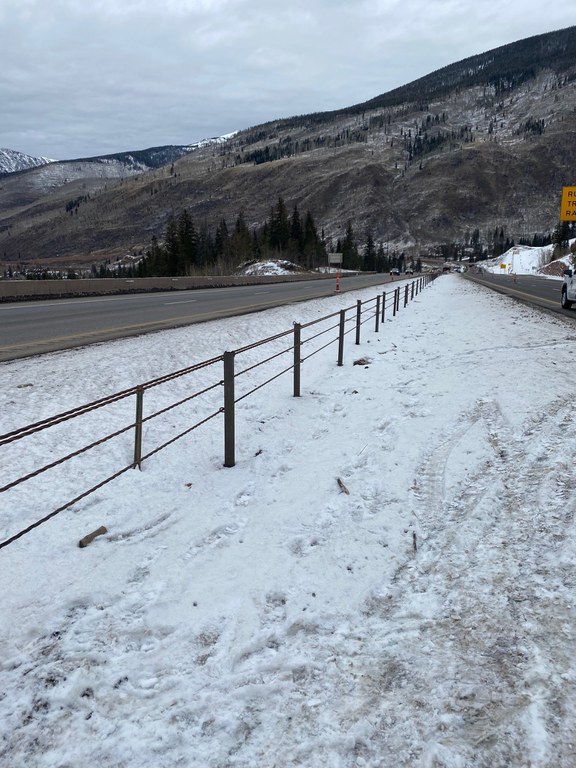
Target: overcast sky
88	77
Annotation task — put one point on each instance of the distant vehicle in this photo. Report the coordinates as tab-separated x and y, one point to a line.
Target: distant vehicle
395	271
408	271
568	289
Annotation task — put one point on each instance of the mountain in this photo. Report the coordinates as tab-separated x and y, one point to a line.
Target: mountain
483	144
122	163
12	161
49	175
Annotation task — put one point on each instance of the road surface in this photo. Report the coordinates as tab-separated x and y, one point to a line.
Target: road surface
538	291
35	327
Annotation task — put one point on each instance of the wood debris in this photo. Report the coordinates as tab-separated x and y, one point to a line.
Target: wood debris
342	486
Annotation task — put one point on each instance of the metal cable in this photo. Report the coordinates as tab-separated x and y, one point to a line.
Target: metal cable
53	464
63	507
267	360
181	402
321	333
319	349
276	376
182	434
262	341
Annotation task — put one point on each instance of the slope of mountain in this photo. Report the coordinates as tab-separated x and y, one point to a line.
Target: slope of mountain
30	183
485	143
12	161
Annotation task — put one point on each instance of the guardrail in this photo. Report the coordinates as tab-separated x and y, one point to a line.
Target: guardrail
218	381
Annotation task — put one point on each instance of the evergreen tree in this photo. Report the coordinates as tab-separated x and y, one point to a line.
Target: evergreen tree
256	252
153	264
205	247
240	243
381	260
172	261
187	238
312	247
279	227
296	233
221	240
561	234
350	258
187	248
370	253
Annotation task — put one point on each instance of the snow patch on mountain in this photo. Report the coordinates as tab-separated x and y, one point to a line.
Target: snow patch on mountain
117	165
11	161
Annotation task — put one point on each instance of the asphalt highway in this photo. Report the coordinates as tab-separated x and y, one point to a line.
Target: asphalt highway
536	291
36	327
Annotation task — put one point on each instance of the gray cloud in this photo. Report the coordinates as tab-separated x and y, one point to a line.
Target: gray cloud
79	79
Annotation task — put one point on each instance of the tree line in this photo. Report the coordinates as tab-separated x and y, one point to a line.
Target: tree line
476	247
188	248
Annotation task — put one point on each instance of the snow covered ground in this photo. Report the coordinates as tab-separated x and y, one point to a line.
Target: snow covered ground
259	616
528	260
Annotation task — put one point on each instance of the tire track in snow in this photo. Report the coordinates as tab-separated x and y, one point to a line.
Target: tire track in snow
487	604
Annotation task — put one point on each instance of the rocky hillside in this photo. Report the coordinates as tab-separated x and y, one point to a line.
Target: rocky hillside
12	161
485	143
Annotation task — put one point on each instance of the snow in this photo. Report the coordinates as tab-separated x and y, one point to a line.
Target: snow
527	260
269	267
12	161
258	615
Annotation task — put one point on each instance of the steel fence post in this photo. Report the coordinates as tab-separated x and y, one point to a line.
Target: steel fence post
297	359
229	406
358	319
341	337
138	428
377	316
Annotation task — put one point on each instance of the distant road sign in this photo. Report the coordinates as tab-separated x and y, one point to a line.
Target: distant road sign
568	206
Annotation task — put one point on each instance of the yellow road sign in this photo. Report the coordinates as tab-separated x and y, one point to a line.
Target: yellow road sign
568	205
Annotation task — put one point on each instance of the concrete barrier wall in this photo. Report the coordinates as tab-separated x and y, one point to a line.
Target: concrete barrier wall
21	290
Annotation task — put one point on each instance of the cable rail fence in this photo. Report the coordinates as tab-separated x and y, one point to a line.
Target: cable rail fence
220	385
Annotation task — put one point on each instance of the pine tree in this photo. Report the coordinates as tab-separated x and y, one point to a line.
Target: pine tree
296	233
256	252
349	249
381	260
279	227
187	238
205	247
370	253
312	247
153	264
221	240
240	244
561	234
172	261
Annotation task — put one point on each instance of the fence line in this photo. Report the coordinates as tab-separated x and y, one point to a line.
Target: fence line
372	309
